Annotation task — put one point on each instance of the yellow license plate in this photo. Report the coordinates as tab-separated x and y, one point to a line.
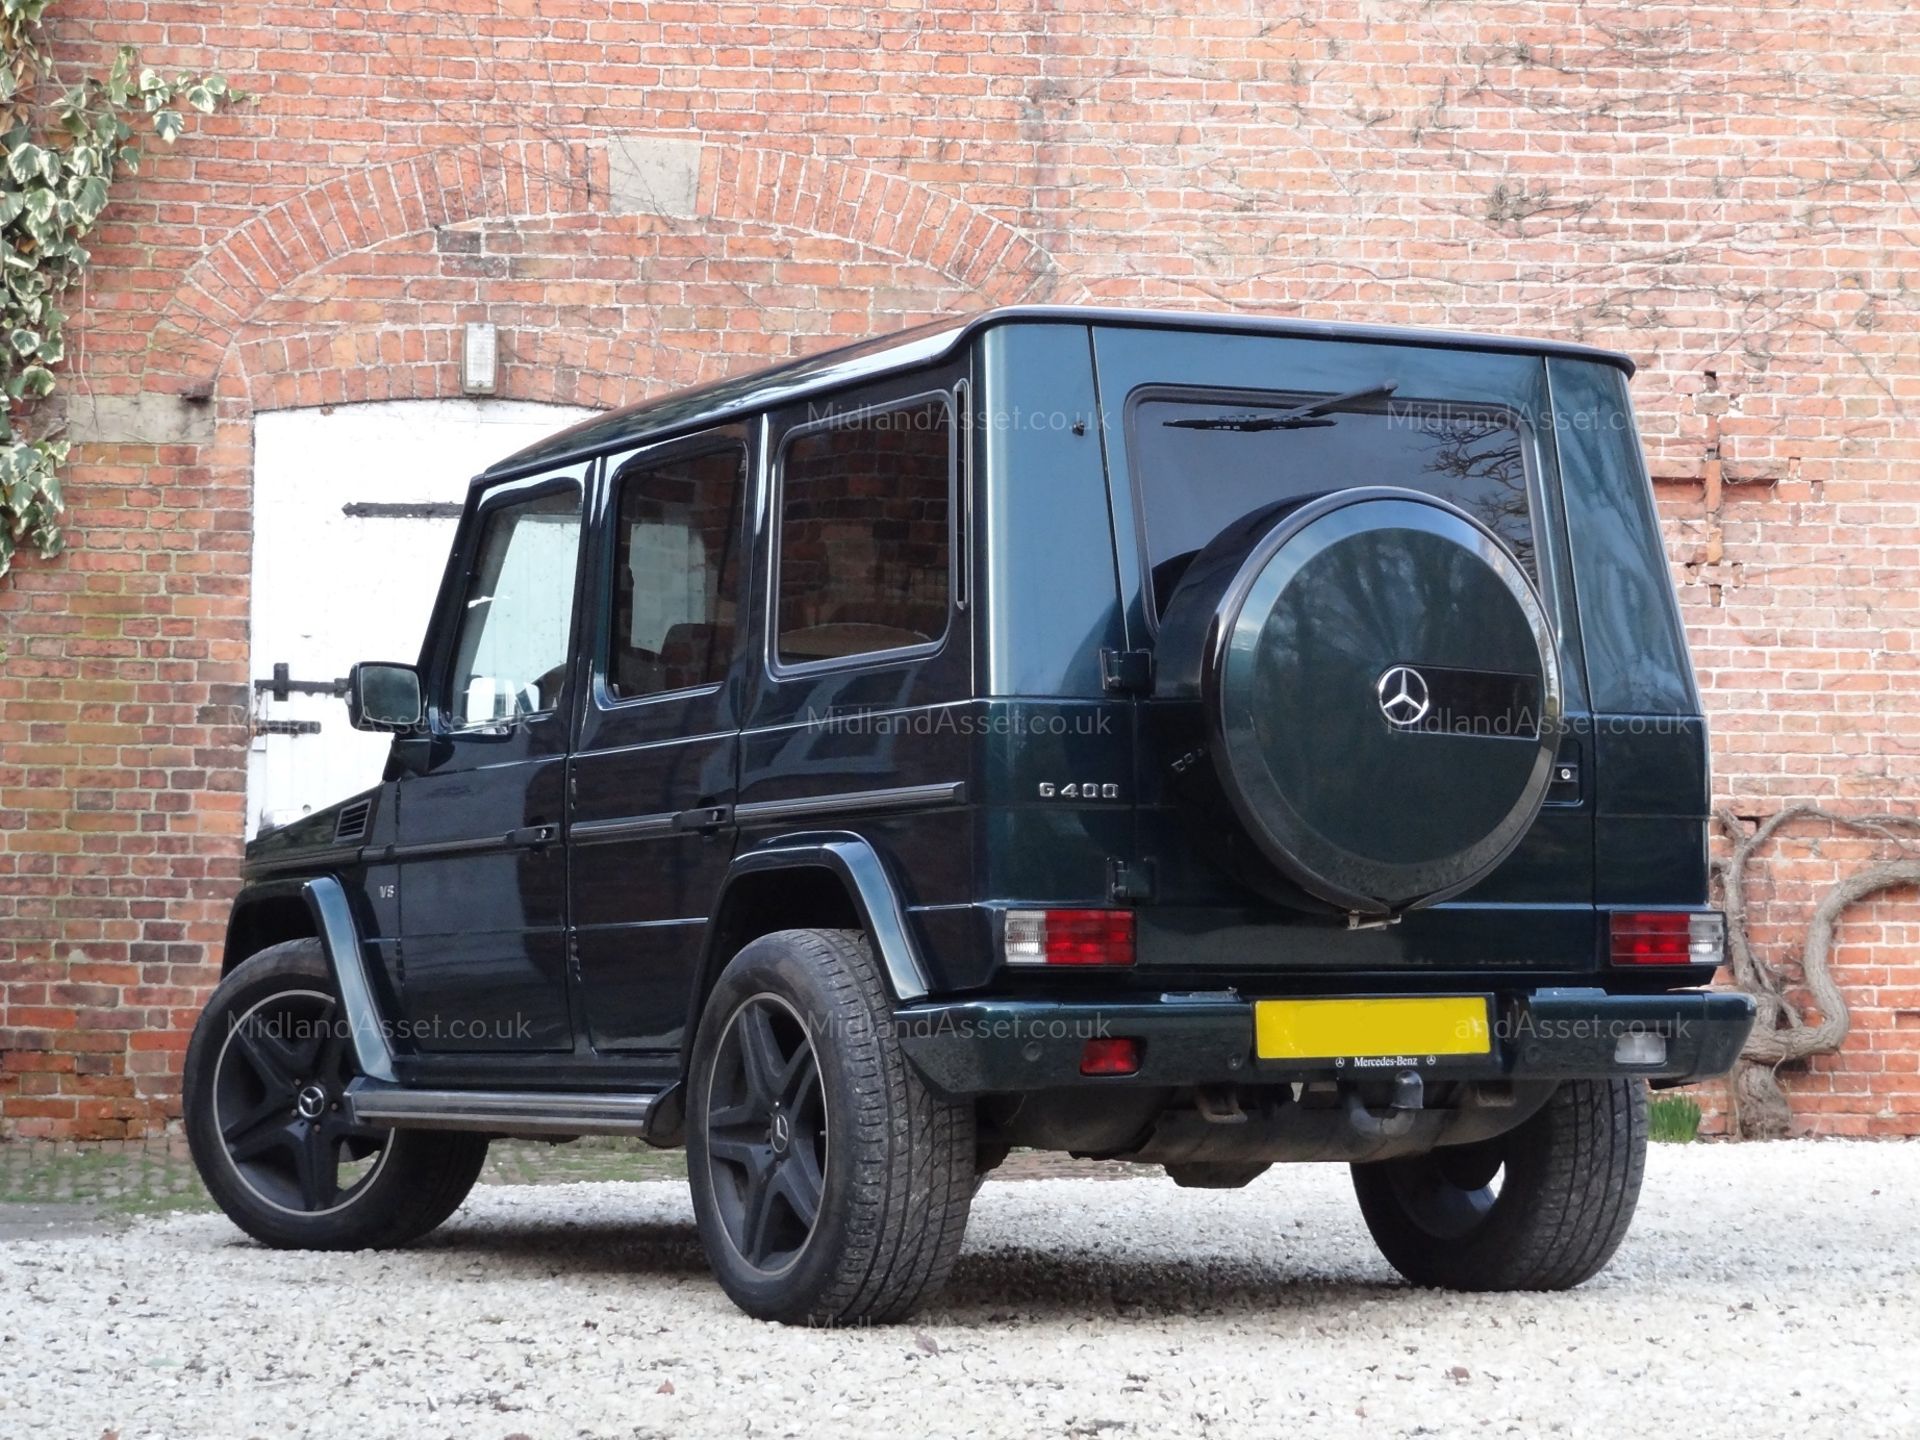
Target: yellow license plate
1416	1027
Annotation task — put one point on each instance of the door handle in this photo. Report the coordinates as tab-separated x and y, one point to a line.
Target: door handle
532	837
706	818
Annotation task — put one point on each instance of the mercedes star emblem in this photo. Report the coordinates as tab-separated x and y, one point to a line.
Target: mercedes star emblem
1403	696
311	1102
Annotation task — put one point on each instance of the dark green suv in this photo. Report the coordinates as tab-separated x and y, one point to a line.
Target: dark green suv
1195	740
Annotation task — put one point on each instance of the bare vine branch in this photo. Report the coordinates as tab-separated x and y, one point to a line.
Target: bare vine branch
1781	1032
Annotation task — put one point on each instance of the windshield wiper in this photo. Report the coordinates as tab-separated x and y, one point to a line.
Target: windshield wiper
1306	417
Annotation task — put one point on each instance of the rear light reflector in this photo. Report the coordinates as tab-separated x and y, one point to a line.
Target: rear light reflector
1069	937
1668	937
1111	1056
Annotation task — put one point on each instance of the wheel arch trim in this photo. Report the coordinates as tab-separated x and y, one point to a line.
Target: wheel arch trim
869	886
326	901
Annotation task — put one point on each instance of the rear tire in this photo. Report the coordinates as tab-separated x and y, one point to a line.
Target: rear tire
1570	1177
265	1069
830	1182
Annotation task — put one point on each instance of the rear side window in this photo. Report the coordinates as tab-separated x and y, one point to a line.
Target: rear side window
866	534
675	572
1203	460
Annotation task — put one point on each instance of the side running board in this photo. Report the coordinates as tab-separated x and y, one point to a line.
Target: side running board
499	1111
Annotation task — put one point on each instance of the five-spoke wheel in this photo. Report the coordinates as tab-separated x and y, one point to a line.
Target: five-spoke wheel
766	1133
830	1182
272	1135
279	1102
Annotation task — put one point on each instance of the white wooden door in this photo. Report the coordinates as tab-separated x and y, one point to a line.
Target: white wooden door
354	508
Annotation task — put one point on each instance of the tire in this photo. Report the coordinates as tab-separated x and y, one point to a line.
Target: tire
831	1184
1570	1180
264	1072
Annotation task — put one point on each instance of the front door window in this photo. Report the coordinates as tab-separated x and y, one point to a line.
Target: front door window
511	657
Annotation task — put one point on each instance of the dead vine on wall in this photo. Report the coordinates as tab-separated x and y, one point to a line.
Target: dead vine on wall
1785	1033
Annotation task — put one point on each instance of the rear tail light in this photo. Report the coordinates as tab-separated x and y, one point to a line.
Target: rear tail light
1069	937
1668	937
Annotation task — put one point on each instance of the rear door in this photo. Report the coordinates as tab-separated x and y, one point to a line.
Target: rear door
857	718
651	828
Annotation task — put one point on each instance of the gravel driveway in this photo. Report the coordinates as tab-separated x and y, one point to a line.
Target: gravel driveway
1764	1290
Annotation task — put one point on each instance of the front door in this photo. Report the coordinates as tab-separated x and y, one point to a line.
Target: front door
651	830
481	866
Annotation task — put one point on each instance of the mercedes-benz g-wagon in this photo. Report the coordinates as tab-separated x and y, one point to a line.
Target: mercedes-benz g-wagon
1203	741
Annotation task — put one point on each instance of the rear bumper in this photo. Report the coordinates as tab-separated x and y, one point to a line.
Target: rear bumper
987	1047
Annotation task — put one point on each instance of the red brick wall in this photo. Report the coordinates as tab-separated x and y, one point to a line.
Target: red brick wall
1726	192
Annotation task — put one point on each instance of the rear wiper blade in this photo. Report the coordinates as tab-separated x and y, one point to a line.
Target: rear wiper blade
1306	417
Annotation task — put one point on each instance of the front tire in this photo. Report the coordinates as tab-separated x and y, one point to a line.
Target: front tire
831	1184
1542	1207
266	1067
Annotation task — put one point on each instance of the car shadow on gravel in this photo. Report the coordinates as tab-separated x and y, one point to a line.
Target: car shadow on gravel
665	1248
987	1286
1040	1284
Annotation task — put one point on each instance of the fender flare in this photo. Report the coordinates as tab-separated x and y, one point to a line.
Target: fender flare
869	884
340	940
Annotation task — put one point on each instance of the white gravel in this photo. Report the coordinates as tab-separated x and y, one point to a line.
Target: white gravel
1764	1291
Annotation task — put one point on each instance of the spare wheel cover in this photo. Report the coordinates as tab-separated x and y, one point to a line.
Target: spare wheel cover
1384	691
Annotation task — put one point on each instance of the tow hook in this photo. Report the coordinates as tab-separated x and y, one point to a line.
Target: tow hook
1409	1095
1219	1105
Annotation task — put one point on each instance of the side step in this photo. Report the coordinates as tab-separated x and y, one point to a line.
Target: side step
500	1111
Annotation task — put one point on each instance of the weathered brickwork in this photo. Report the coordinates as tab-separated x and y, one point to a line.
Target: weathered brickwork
642	195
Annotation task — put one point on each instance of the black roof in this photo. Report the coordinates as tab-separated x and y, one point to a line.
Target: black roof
704	405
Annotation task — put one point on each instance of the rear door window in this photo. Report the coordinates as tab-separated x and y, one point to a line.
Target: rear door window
864	559
1204	459
676	568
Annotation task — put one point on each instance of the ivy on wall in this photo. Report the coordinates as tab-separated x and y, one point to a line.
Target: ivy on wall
65	146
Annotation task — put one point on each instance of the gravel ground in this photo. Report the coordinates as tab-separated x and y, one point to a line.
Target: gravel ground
1764	1290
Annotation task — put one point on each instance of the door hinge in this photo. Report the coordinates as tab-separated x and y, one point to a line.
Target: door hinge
282	685
1126	672
1129	879
286	727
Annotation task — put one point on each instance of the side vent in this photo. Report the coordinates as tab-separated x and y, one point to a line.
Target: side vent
352	824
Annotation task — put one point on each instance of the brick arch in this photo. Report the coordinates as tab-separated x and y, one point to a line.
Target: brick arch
348	331
899	217
361	211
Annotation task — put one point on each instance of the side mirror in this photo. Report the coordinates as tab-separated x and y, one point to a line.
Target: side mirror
384	696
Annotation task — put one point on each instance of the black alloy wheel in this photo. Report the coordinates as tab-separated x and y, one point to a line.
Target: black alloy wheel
279	1103
830	1182
766	1134
264	1100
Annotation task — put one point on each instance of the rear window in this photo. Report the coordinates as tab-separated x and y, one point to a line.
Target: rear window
1203	460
